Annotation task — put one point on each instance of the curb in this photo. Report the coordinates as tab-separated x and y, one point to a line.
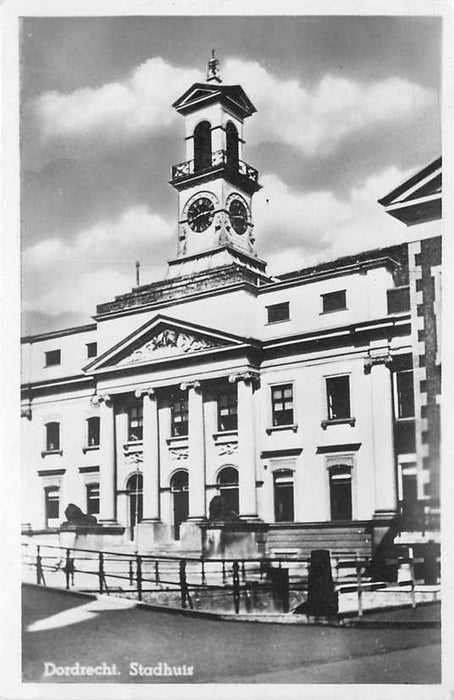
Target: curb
280	619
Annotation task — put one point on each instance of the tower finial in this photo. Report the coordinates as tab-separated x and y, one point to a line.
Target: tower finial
213	68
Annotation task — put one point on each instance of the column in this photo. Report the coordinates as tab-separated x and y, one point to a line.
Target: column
246	445
196	451
383	435
151	506
107	460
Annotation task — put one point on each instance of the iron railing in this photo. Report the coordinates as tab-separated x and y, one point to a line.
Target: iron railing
218	159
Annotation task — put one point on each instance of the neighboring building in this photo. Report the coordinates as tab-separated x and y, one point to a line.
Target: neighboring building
309	401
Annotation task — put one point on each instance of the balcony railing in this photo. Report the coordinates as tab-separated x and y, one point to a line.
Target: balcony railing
218	159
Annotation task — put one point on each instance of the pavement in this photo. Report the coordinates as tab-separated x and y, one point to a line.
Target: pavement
125	644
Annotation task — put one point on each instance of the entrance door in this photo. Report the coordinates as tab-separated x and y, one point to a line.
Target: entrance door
283	496
134	488
409	495
180	492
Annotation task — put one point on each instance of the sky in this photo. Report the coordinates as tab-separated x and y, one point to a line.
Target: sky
347	108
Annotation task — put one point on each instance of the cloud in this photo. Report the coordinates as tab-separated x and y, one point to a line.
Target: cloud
72	277
317	120
313	121
294	229
138	106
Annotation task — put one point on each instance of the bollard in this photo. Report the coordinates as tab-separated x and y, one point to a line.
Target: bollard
236	586
139	576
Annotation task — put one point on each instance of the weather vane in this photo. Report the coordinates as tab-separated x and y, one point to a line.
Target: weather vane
213	68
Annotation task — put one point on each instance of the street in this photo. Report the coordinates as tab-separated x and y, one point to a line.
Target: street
135	645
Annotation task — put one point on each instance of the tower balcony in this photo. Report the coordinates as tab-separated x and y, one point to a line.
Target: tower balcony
236	171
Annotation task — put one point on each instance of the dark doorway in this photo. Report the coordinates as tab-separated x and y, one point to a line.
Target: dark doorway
134	488
409	504
283	496
232	145
340	483
228	488
180	491
202	146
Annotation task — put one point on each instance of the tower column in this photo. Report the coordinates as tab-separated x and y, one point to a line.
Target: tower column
107	510
196	451
246	445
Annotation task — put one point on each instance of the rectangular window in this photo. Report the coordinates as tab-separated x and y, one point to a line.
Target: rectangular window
228	409
405	400
283	497
52	505
93	499
135	422
92	349
52	357
398	299
179	415
278	312
334	301
93	431
338	397
340	484
52	437
282	404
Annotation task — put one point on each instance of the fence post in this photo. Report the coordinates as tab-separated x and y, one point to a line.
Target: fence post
236	586
39	567
139	576
412	577
156	570
223	571
359	582
69	569
185	597
243	572
101	572
131	573
203	573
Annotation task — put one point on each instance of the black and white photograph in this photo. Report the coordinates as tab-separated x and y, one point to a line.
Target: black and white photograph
231	271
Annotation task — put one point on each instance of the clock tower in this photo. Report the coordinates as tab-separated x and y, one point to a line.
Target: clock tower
214	184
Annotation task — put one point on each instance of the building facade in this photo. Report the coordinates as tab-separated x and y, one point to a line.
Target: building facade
308	401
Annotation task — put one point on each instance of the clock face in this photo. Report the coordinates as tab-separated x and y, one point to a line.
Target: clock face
238	216
200	214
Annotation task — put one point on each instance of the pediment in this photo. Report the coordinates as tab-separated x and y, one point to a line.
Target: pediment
228	94
161	339
425	183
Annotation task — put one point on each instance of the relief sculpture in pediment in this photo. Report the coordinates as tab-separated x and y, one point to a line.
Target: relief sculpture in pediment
169	342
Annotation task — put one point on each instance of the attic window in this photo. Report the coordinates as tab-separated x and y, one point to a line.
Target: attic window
52	357
278	312
334	301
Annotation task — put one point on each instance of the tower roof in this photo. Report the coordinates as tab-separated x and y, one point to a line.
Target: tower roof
200	95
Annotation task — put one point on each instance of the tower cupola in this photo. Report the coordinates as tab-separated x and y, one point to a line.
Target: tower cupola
215	185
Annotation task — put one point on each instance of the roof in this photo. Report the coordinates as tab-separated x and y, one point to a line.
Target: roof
202	94
418	198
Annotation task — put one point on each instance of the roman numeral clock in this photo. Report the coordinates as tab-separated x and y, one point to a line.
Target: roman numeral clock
214	184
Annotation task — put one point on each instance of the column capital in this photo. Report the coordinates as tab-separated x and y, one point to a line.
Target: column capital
372	360
97	399
147	391
194	384
246	377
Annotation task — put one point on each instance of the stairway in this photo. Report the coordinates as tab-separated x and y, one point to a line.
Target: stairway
349	539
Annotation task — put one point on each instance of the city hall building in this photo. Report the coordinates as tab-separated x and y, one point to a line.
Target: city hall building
308	401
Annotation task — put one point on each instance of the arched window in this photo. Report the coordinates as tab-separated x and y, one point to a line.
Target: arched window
202	146
52	436
283	496
180	495
340	491
232	145
93	431
228	488
134	488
